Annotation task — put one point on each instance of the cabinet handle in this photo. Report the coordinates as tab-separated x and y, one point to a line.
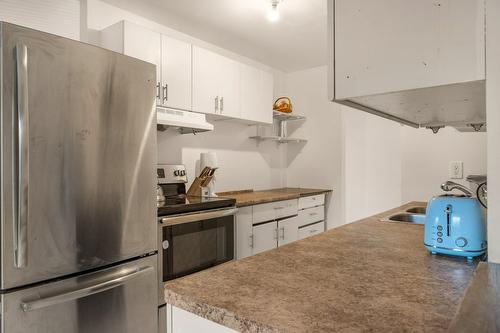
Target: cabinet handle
250	241
158	90
275	234
165	92
216	104
221	104
282	229
276	208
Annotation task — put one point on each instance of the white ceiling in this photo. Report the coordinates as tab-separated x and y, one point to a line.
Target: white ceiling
297	41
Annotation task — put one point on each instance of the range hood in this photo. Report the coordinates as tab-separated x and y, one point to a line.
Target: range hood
460	105
186	122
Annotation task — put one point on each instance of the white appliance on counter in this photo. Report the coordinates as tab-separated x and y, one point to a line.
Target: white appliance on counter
209	160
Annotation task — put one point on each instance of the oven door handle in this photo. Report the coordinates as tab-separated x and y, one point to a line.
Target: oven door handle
172	220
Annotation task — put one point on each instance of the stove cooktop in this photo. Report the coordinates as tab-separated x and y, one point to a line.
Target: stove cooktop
180	204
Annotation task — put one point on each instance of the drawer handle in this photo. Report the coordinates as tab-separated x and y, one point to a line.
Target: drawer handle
313	214
282	229
279	208
313	231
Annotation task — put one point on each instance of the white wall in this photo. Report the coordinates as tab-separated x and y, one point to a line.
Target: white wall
426	158
493	116
317	163
60	17
356	154
244	164
372	164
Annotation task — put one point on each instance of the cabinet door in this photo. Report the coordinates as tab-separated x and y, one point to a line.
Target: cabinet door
176	73
411	44
244	237
265	237
229	75
143	44
256	94
265	110
206	80
288	230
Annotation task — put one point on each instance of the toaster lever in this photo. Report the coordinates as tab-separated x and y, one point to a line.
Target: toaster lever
448	220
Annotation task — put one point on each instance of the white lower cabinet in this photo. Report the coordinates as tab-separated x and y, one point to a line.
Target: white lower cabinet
311	230
288	230
267	226
265	237
182	321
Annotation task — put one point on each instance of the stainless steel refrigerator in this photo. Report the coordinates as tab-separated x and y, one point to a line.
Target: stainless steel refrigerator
78	210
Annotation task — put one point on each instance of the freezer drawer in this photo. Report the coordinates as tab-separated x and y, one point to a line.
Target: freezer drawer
121	299
78	150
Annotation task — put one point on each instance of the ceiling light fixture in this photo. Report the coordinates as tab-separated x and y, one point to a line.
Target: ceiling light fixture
273	14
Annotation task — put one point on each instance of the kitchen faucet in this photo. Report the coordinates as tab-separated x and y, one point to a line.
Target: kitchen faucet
449	186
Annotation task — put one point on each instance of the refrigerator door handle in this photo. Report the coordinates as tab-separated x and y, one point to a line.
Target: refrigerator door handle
85	291
21	197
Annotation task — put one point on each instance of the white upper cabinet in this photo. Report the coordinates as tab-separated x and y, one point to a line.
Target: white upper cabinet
206	85
135	41
176	73
171	57
420	63
215	83
256	94
385	45
193	78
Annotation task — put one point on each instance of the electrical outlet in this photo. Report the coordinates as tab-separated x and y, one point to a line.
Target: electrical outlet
456	170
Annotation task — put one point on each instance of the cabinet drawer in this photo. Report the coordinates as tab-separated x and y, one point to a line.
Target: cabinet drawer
311	215
274	210
311	230
311	201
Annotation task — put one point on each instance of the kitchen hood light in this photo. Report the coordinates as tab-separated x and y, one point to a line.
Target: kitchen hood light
273	14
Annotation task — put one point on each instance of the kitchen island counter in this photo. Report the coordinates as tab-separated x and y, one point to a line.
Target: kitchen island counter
251	197
368	275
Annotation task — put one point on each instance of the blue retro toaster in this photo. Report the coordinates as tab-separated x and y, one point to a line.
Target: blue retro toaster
455	225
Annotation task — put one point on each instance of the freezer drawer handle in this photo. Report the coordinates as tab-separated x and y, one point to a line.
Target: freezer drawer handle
21	199
84	292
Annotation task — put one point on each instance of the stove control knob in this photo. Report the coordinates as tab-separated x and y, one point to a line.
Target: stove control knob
176	173
461	242
183	173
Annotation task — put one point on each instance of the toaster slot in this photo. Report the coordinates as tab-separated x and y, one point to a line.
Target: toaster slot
448	220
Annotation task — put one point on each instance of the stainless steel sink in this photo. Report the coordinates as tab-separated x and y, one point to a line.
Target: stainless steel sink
416	210
406	217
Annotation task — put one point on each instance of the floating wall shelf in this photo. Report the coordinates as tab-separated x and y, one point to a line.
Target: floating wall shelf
287	116
278	139
279	129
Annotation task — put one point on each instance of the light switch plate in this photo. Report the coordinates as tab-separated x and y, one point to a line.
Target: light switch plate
456	170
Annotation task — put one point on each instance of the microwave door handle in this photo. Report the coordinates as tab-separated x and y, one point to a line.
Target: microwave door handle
86	291
172	220
22	181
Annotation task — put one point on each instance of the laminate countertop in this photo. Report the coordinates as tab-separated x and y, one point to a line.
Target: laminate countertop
251	197
365	276
480	308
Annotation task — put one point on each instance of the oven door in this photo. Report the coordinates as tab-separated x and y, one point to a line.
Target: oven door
193	242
